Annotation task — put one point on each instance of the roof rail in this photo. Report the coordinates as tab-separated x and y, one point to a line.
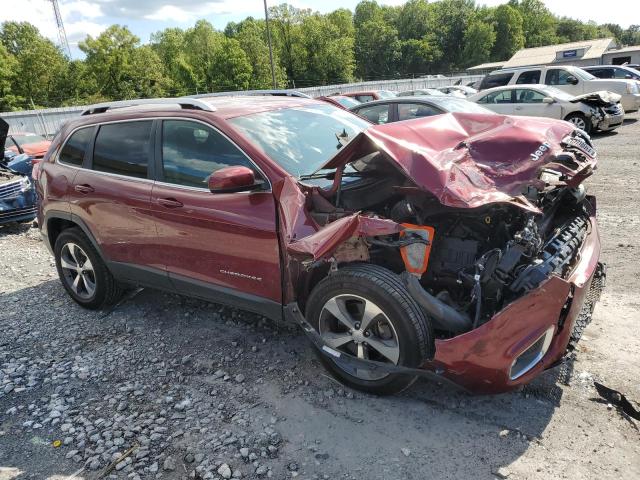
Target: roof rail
183	102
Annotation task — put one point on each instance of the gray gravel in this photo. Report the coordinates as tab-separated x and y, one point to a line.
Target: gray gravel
169	387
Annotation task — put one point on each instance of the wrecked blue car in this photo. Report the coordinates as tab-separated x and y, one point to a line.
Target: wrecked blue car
17	193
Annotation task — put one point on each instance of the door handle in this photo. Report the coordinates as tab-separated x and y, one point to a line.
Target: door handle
84	188
170	202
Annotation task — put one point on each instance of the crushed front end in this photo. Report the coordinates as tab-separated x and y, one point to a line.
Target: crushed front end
487	225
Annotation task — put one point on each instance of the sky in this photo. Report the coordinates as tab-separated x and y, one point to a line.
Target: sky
143	17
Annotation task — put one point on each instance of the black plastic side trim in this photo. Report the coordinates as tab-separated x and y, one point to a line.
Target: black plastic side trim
227	296
79	222
141	275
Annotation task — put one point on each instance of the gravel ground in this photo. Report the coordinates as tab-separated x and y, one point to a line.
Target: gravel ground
186	389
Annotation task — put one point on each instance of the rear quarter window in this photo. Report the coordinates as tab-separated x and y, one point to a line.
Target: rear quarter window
123	148
496	80
75	148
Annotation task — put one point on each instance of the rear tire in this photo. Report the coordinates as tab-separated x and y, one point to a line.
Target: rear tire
580	121
397	331
82	272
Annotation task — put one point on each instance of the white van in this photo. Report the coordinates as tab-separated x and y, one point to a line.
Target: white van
570	79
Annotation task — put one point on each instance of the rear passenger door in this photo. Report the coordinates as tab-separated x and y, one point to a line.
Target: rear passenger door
212	244
111	196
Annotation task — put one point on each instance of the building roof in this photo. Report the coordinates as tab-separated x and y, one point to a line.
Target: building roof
631	48
564	52
487	66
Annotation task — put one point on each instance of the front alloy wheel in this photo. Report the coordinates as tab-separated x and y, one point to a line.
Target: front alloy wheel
359	327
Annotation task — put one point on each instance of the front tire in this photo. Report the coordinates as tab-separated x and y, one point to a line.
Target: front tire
364	310
580	121
82	272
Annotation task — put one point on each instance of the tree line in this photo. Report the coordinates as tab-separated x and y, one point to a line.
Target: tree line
309	48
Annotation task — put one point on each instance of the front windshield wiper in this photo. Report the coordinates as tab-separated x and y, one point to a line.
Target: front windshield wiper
328	175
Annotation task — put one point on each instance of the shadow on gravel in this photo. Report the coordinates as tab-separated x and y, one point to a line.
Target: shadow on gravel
430	430
629	121
15	228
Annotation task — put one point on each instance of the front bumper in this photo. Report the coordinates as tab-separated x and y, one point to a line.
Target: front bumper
481	360
610	122
20	208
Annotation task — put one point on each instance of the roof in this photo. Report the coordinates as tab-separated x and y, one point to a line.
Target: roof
631	48
564	52
487	66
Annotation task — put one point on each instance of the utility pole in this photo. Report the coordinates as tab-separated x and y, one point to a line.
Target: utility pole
273	71
62	35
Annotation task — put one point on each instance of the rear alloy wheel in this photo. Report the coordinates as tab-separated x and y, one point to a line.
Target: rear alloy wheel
82	271
365	311
580	121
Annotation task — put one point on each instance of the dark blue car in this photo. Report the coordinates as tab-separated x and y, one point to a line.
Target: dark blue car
17	193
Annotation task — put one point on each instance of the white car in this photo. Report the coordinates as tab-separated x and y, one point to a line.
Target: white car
461	91
598	110
573	80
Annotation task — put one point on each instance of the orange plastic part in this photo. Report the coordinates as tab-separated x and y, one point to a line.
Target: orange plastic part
430	232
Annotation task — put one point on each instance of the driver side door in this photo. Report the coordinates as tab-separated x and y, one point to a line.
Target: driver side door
219	246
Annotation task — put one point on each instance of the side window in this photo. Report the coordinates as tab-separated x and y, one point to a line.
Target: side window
502	96
123	148
530	76
375	113
620	73
556	76
407	111
364	98
73	151
191	152
496	80
526	95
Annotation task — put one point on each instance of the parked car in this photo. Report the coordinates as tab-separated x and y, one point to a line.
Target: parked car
458	90
613	71
572	80
408	108
441	247
32	144
598	110
370	96
17	195
339	101
420	92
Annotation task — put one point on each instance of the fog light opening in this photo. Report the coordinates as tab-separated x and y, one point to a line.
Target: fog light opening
532	355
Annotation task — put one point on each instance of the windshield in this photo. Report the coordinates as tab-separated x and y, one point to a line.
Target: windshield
300	139
386	94
464	106
347	102
583	74
27	139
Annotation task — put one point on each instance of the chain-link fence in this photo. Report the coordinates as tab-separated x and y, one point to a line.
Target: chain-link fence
47	121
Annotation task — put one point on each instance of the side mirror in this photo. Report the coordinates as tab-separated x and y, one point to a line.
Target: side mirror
628	75
548	100
572	80
233	179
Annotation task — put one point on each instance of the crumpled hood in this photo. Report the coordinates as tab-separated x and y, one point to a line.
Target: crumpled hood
602	97
468	160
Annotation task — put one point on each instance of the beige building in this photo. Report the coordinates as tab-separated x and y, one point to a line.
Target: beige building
601	51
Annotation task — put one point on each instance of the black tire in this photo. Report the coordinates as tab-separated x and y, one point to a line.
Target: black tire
107	290
410	324
587	122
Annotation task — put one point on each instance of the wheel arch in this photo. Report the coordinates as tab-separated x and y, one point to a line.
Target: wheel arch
56	222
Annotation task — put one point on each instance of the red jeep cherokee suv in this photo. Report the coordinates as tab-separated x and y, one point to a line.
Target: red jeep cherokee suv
461	245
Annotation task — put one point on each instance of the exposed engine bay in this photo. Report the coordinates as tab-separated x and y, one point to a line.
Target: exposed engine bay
462	265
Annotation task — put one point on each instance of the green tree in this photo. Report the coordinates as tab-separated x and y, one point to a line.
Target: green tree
8	65
251	34
169	45
39	64
377	49
539	24
287	38
479	40
507	22
452	18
